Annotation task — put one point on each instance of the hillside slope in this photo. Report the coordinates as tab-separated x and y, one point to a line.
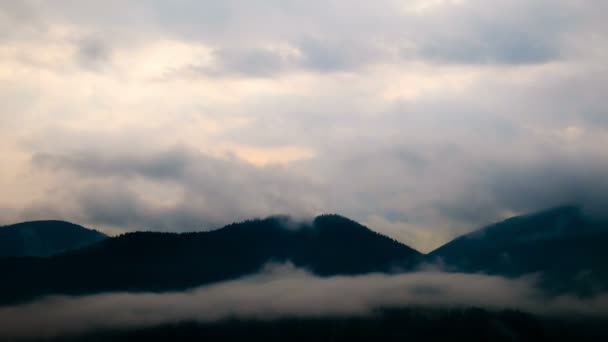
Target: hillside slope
562	245
44	238
148	261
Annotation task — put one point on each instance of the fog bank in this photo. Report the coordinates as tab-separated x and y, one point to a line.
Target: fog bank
283	291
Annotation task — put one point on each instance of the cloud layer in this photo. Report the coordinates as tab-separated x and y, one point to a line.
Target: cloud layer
282	291
422	119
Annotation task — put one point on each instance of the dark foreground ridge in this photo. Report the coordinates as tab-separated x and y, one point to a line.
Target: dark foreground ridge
148	261
410	324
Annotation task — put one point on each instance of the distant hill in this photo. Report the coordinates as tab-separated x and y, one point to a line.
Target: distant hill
148	261
568	250
44	238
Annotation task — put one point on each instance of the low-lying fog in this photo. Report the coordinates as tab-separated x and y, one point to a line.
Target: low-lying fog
284	291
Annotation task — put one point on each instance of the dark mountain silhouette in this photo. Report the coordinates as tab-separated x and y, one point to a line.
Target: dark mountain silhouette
407	324
148	261
44	238
566	248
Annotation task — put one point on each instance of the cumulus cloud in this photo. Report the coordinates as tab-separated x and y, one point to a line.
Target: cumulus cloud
282	291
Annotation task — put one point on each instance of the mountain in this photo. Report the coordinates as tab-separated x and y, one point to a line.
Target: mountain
565	247
405	324
44	238
149	261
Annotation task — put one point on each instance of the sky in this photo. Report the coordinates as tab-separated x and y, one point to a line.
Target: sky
422	119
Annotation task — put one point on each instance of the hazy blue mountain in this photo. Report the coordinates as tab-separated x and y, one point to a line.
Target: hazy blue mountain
44	238
568	250
148	261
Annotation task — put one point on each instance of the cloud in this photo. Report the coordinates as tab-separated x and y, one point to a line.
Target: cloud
539	184
93	53
507	32
167	164
340	55
253	62
19	20
270	60
196	191
426	119
340	35
421	194
282	291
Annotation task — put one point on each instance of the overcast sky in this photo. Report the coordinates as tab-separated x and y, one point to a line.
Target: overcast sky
422	119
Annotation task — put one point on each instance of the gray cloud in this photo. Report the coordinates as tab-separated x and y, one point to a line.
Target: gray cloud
169	164
435	121
238	62
286	292
209	192
340	55
470	33
489	48
507	32
92	53
422	185
343	35
19	20
256	62
306	54
551	182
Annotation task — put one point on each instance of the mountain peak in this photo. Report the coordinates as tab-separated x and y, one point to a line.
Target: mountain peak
336	221
565	210
557	242
41	224
332	217
329	245
557	221
44	238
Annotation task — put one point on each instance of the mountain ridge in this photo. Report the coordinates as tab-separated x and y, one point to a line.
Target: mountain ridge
153	261
561	244
45	238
